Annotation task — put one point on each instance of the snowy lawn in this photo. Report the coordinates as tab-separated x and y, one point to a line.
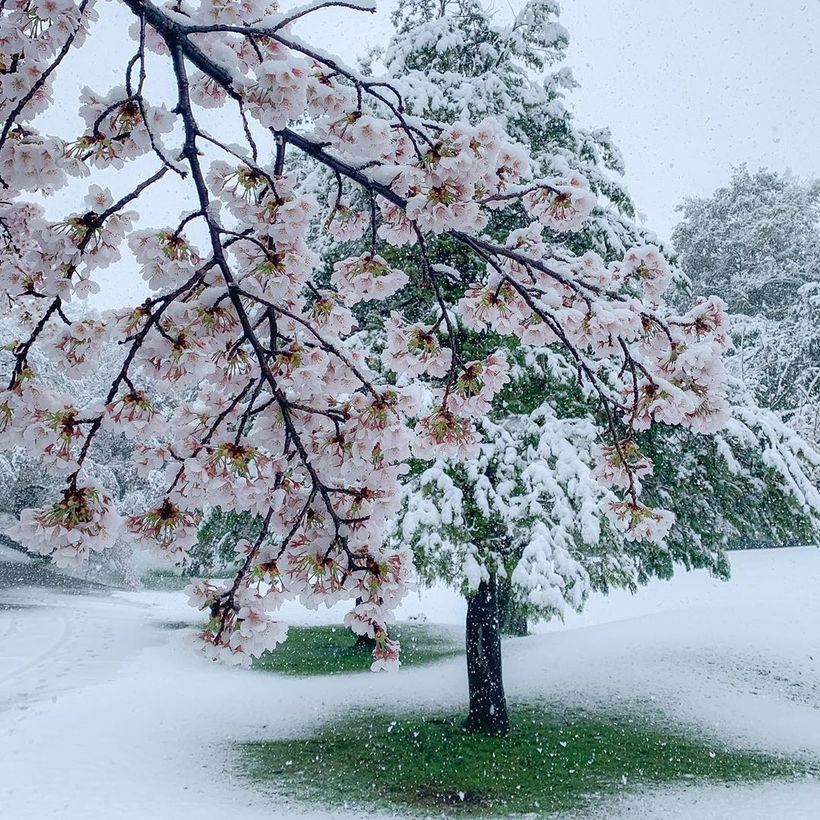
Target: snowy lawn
553	761
105	714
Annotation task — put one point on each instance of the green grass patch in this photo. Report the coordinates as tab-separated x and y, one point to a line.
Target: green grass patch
172	580
165	580
173	626
550	762
331	650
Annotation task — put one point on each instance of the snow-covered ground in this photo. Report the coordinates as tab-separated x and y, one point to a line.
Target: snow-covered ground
106	714
8	556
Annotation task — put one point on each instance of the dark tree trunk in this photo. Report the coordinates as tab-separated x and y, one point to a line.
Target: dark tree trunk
488	704
511	620
364	641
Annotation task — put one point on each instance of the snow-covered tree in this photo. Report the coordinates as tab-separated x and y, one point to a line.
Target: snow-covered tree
276	410
522	522
216	541
756	243
524	518
454	61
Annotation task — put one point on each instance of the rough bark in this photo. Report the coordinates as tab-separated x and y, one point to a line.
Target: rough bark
488	703
511	620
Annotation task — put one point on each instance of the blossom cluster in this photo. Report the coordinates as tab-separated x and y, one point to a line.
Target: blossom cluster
82	521
562	205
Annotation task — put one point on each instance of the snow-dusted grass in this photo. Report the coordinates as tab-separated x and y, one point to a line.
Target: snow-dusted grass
104	714
554	760
164	580
332	649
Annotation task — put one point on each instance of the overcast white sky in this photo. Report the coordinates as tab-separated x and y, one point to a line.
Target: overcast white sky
688	87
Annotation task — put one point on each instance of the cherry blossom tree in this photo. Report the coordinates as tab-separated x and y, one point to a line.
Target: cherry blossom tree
279	413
